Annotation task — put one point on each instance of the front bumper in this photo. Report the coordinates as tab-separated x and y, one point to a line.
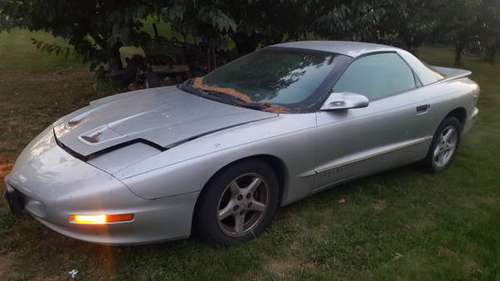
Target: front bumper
15	200
54	185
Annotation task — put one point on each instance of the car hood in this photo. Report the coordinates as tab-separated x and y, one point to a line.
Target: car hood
160	117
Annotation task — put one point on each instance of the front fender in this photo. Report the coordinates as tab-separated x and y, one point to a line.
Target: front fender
188	167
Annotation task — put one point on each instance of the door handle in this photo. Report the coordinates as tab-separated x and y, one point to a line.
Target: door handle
421	109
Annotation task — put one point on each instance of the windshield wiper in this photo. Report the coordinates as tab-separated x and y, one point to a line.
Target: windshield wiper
188	86
238	101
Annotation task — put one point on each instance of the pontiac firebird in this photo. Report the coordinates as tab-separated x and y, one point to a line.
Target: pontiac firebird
217	155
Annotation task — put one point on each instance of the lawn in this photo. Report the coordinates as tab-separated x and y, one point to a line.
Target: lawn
404	224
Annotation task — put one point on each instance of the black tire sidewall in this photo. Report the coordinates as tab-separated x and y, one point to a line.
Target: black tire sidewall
206	225
429	160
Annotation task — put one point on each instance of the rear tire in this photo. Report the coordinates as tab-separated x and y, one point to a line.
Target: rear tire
237	204
444	145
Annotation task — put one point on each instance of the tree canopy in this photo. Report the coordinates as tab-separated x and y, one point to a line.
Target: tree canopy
97	29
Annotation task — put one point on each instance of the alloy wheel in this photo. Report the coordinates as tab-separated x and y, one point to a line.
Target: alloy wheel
445	147
243	204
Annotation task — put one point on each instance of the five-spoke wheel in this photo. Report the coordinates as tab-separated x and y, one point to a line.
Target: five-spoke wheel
444	145
243	204
238	203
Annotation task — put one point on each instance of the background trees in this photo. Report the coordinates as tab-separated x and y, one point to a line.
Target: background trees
488	28
97	29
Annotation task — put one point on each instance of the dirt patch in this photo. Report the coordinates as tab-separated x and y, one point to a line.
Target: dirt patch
49	279
4	169
469	265
379	205
49	77
5	265
423	224
283	266
488	200
472	266
279	266
445	252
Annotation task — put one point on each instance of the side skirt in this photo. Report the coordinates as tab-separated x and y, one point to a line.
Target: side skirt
372	161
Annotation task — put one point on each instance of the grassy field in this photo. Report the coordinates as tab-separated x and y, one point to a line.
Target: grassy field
404	224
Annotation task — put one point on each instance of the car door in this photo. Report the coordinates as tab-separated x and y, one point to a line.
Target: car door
357	142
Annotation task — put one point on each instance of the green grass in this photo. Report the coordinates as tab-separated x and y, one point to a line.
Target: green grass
404	224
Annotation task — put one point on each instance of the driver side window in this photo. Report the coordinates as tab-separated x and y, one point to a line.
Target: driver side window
377	76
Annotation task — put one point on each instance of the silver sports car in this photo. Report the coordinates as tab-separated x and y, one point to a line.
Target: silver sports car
218	154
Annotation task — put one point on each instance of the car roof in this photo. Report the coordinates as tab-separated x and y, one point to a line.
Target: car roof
348	48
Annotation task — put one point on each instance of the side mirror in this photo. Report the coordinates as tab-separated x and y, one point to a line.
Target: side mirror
344	101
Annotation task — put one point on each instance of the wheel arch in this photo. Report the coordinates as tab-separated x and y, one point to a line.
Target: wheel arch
277	164
460	113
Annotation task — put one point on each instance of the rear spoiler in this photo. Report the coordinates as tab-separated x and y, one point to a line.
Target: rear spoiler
450	73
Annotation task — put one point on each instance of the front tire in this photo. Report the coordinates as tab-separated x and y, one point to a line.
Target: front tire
237	204
444	145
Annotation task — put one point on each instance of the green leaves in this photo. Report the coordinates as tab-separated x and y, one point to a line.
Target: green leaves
51	48
217	19
97	28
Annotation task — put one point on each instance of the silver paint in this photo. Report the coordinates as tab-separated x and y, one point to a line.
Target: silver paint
199	137
343	101
163	116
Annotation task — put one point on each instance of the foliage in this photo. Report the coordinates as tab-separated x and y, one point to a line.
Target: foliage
98	28
459	22
51	47
488	25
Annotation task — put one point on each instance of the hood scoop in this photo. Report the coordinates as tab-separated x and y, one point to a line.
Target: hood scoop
94	138
160	117
79	118
100	135
74	122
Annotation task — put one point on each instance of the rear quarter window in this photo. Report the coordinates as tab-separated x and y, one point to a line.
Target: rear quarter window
377	76
424	73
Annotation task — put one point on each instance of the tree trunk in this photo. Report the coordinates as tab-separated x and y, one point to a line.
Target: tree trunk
209	60
459	49
491	52
214	57
115	59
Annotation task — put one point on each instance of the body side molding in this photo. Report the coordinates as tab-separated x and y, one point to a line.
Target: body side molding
363	156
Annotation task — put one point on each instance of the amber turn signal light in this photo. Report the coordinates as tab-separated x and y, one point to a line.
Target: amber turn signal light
100	219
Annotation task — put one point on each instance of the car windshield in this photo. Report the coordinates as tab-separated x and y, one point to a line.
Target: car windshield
273	76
